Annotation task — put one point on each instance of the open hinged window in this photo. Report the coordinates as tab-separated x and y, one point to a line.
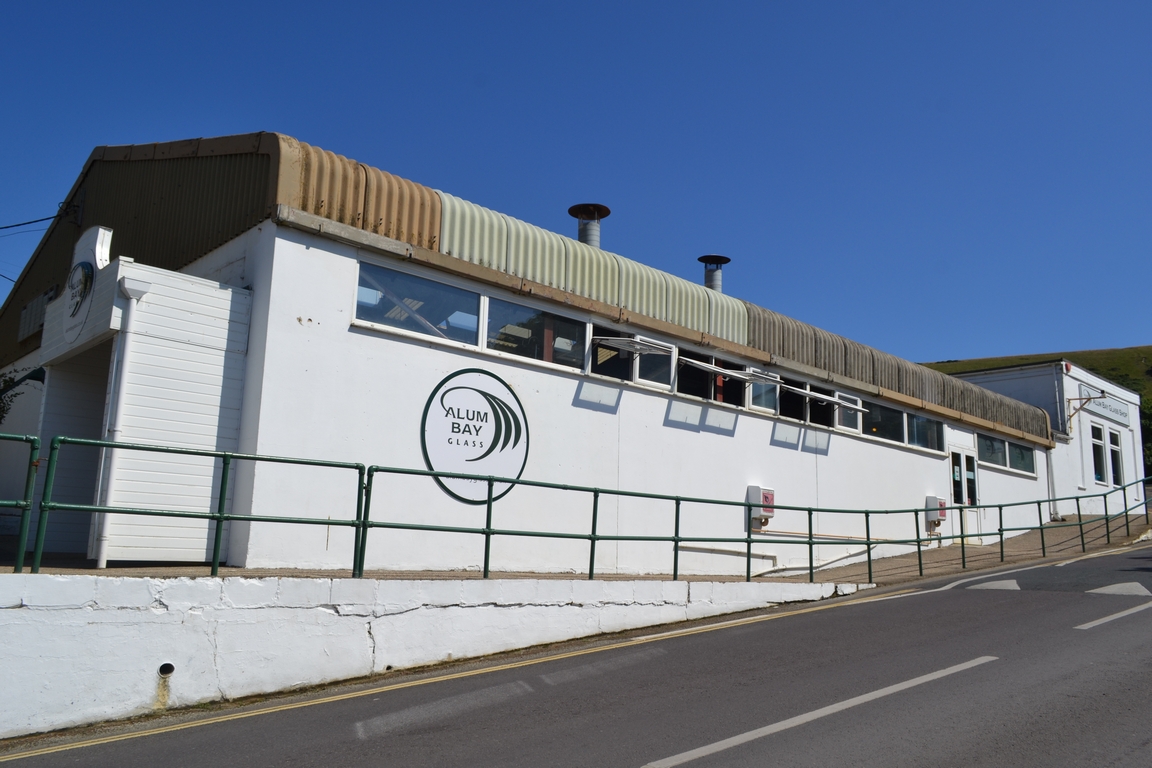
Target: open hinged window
712	378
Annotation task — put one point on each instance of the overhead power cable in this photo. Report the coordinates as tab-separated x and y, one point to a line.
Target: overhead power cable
26	223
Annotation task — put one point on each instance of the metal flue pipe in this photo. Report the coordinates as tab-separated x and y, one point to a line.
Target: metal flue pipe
589	216
714	271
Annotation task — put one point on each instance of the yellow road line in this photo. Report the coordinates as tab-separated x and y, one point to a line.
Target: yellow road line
438	679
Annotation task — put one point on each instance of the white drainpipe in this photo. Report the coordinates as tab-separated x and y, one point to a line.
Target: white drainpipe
134	290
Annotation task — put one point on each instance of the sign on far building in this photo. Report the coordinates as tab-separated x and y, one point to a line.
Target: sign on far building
1107	406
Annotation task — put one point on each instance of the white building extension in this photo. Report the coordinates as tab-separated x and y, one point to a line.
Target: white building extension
1095	423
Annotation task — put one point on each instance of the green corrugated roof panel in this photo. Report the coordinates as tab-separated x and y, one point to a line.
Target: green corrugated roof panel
593	273
688	304
728	318
536	254
473	233
643	289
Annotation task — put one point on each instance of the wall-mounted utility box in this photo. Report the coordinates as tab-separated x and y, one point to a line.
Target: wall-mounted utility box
935	510
760	509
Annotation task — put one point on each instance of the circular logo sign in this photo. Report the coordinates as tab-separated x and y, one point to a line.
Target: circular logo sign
474	424
79	286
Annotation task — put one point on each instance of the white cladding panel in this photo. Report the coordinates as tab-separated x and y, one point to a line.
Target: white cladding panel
183	388
344	393
74	403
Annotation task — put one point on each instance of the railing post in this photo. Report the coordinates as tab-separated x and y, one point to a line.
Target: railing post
1040	519
963	541
488	530
361	543
45	504
1146	519
1080	524
26	508
221	506
1107	525
748	551
676	544
357	531
1127	525
919	552
592	538
811	550
1001	508
868	541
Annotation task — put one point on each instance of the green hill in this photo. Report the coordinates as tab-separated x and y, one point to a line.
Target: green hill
1130	367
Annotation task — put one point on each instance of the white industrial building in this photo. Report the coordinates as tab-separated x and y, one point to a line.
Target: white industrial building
255	294
1095	425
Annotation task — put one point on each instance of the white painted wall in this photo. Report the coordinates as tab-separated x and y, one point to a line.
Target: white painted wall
83	649
328	390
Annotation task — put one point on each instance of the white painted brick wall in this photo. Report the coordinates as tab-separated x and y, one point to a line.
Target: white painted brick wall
82	649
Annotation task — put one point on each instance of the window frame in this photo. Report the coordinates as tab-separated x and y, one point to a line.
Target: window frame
1115	452
1100	473
534	306
751	396
750	374
448	280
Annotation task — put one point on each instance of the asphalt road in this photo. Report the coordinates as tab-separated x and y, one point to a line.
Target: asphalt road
1007	668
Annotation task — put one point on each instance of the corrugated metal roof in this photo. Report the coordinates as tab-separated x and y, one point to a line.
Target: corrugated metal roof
536	254
592	273
810	346
728	317
168	204
473	233
643	289
688	305
400	209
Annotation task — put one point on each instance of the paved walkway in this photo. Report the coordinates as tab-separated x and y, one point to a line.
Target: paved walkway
1059	541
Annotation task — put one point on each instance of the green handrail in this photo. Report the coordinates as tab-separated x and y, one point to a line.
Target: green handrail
218	517
362	523
24	504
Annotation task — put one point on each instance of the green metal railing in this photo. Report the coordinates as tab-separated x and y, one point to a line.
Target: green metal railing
24	504
218	517
362	523
812	540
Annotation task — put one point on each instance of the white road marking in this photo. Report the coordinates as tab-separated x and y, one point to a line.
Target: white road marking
602	667
1127	588
1114	616
1005	584
792	722
440	710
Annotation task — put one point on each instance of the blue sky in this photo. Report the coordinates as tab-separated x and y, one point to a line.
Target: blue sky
936	180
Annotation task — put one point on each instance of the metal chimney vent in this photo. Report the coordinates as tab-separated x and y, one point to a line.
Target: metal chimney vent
589	216
714	271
